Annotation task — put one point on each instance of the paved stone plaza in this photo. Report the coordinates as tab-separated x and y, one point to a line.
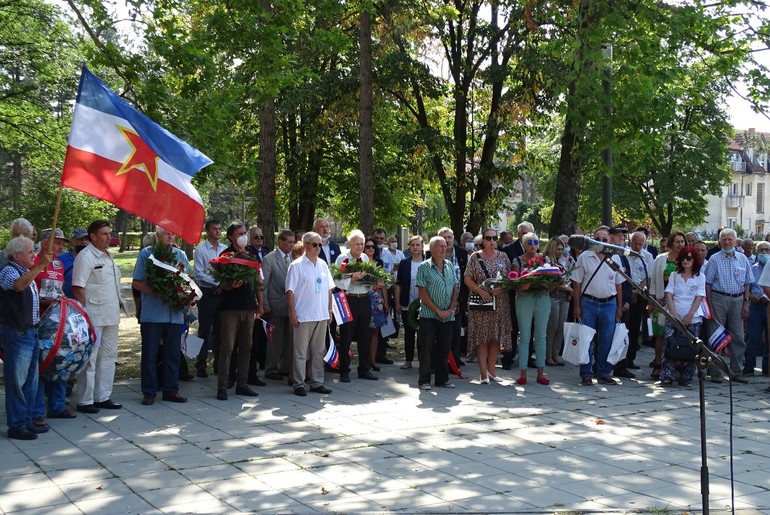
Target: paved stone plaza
386	446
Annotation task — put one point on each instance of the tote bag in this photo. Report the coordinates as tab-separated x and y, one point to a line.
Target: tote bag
577	342
619	344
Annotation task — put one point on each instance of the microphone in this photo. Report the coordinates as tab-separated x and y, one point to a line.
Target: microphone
579	242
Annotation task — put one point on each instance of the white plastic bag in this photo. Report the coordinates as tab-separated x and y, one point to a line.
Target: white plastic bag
577	342
619	344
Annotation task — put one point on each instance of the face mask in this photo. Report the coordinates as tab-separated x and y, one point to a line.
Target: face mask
729	251
469	245
566	251
382	247
242	240
78	248
394	246
762	258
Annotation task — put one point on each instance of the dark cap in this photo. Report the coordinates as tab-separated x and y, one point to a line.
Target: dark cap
58	234
618	229
78	233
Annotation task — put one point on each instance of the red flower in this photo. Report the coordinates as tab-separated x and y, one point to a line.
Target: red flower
344	265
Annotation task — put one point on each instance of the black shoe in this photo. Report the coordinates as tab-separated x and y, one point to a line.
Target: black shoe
344	378
39	429
633	366
87	408
606	380
21	434
108	404
374	368
625	373
222	394
245	391
383	361
369	376
148	400
174	397
256	381
202	373
321	389
300	392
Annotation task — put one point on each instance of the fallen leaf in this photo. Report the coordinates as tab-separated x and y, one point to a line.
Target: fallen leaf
207	449
169	467
100	487
599	421
323	454
324	491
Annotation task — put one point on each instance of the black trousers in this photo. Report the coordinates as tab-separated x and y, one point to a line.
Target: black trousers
357	329
434	341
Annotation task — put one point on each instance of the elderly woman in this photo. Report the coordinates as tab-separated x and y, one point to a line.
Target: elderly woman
532	305
406	293
19	316
560	299
663	266
685	292
489	332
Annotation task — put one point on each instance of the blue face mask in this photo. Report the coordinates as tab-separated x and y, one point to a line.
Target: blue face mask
566	251
762	258
729	251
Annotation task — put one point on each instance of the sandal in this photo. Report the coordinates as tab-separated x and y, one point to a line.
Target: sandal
655	374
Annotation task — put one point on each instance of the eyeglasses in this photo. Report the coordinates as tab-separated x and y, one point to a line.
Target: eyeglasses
368	246
603	240
257	237
490	238
687	258
533	242
313	244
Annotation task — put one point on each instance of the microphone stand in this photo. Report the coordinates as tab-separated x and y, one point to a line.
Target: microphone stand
706	357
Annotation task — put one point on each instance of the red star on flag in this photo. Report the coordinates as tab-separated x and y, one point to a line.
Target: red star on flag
142	158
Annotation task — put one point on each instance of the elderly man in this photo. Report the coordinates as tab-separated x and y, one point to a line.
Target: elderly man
240	306
19	315
309	286
748	250
208	306
96	285
437	286
728	284
276	309
637	306
159	322
598	303
466	242
758	304
19	227
458	258
330	251
50	285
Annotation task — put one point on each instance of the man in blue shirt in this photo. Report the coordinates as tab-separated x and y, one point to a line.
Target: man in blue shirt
159	322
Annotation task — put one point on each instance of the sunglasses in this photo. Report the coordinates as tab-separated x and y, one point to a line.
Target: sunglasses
368	246
313	244
257	237
686	258
603	240
490	238
533	242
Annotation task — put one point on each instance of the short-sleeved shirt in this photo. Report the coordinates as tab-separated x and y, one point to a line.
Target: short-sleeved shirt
96	272
310	282
729	273
439	287
154	310
50	282
684	293
355	288
602	286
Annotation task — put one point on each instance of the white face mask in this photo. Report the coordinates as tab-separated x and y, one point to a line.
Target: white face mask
394	245
242	240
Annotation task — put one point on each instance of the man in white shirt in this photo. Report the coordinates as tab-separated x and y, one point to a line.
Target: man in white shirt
598	303
641	267
208	306
96	285
309	286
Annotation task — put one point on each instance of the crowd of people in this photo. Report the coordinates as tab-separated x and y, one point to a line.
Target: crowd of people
449	300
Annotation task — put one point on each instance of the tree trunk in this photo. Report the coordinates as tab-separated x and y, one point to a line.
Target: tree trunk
565	212
267	192
366	169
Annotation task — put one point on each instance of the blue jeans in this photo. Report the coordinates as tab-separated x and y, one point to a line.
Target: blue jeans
171	336
600	316
56	392
20	368
757	326
537	307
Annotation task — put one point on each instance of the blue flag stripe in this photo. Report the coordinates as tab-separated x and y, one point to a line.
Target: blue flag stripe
177	153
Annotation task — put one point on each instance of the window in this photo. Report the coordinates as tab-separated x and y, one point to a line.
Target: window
760	198
759	227
734	190
732	222
748	190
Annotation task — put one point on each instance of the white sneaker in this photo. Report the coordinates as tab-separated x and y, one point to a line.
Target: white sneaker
496	379
447	385
425	386
484	381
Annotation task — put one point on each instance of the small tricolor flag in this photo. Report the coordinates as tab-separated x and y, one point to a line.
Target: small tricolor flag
332	357
719	338
341	308
118	154
268	329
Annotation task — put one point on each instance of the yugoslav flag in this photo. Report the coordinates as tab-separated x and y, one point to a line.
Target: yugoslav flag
117	154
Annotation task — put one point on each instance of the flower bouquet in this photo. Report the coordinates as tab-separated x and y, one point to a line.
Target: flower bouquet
167	277
237	266
536	273
374	273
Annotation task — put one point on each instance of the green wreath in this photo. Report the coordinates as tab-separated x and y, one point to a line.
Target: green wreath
413	315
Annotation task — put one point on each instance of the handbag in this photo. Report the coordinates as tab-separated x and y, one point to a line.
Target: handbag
475	302
379	316
678	348
619	347
577	343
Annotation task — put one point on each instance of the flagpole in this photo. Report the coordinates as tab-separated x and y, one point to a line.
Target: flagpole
55	217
